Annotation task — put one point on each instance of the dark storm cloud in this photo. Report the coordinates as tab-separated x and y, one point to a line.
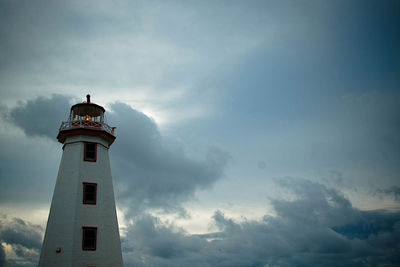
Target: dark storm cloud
312	85
393	191
149	170
41	37
17	231
318	228
154	172
2	256
28	166
24	237
41	116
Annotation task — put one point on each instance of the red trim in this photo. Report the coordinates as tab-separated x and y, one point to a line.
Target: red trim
84	152
83	194
83	237
62	135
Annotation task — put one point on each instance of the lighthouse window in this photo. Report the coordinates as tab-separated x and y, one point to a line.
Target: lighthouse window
89	238
89	193
90	152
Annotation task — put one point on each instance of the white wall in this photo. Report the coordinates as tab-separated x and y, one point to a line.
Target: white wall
68	214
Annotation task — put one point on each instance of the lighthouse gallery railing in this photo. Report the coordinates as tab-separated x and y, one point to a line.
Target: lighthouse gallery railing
67	125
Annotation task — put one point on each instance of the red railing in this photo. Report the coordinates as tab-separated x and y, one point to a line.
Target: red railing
67	125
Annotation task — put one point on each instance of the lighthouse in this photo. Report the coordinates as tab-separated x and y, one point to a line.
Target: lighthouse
82	227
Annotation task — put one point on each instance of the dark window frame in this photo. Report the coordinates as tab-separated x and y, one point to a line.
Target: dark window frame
84	200
85	158
89	228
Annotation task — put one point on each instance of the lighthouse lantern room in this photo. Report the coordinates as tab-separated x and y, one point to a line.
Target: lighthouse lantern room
82	227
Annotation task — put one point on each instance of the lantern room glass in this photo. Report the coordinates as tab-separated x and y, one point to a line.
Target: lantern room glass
88	112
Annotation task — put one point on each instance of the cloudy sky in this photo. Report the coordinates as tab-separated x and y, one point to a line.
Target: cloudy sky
249	133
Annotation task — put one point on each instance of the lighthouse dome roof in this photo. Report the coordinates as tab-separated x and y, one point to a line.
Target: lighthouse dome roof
87	108
90	109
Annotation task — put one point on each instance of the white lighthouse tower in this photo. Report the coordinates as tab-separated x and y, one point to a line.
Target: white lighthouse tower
82	228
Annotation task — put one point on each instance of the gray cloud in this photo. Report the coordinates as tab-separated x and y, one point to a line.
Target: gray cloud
29	165
149	170
17	231
290	84
154	172
24	237
41	116
393	191
319	228
2	256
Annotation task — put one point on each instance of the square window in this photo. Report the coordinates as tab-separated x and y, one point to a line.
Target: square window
90	152
89	193
89	238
